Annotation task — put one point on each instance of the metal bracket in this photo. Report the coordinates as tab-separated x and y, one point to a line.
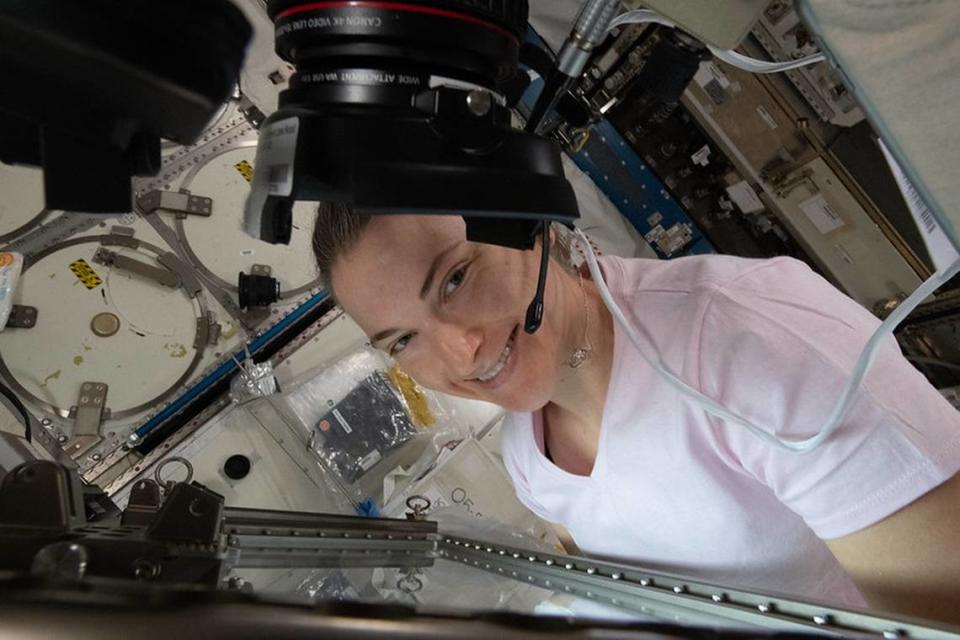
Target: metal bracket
185	273
41	495
804	178
190	513
89	413
213	330
202	336
120	237
143	505
166	277
176	201
22	317
261	270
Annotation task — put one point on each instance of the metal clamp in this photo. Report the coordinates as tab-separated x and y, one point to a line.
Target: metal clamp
208	331
109	258
88	414
22	317
182	202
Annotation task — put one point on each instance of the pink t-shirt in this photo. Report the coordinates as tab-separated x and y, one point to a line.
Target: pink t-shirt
676	490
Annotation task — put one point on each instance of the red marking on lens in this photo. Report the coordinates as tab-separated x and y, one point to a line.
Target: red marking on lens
395	6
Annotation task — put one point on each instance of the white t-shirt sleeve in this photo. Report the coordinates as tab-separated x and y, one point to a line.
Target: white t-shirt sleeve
777	345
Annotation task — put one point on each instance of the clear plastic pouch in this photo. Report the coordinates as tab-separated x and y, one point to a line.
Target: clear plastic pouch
361	418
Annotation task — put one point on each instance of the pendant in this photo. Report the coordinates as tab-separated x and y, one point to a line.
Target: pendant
578	357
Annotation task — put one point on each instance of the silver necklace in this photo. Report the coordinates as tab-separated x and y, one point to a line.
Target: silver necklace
578	357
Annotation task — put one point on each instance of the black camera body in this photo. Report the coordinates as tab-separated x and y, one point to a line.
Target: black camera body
403	108
90	88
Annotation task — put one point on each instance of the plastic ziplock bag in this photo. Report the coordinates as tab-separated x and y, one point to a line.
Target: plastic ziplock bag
359	426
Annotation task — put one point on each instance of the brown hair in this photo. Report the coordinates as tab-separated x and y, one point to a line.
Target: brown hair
337	229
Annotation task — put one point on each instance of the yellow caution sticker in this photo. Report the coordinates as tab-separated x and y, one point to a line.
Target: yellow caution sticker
245	169
85	274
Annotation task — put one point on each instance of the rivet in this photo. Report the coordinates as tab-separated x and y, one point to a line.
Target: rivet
718	597
617	576
516	555
549	562
591	571
532	558
764	607
502	552
568	566
645	582
680	588
821	619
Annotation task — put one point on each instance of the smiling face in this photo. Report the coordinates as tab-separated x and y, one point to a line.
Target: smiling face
451	312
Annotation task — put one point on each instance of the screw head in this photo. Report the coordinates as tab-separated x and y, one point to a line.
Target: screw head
479	102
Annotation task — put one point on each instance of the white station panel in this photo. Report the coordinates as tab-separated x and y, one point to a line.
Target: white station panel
218	244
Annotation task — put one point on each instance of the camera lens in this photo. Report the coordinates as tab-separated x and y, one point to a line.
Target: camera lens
374	53
402	107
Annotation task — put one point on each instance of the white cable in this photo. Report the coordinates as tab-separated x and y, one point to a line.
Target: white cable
714	408
638	16
738	60
763	66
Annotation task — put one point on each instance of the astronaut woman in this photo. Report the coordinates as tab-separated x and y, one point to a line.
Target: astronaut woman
597	442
